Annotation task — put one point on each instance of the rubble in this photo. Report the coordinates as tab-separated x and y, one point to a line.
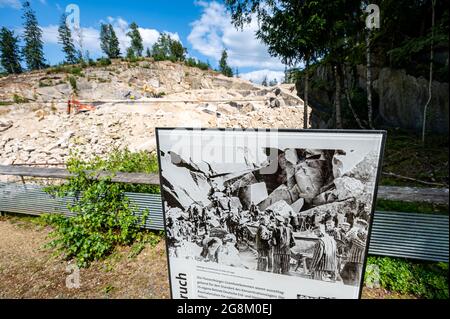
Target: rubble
40	127
4	125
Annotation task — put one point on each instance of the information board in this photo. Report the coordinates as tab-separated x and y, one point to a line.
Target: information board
268	213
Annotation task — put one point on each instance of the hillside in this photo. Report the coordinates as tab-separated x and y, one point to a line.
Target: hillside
131	99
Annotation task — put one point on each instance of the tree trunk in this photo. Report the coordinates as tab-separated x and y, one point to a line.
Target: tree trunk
305	101
369	81
349	101
433	2
337	99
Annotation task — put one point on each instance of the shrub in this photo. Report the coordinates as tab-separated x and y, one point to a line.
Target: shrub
73	83
19	99
104	216
103	62
192	62
428	280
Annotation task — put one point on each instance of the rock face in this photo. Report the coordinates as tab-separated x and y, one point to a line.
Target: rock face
401	98
184	185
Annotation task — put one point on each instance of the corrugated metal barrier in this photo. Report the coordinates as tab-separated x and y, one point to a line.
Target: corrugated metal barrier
409	235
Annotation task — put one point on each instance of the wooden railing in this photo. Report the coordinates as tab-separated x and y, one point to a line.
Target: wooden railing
407	194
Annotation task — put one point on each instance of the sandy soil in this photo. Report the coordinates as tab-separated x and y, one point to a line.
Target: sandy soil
28	270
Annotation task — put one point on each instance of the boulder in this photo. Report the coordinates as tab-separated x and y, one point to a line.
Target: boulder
4	125
255	193
338	208
274	102
184	186
297	205
233	202
348	187
281	208
282	192
309	178
366	169
324	198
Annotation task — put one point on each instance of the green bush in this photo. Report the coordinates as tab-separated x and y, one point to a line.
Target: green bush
75	71
104	216
19	99
73	83
427	280
192	62
103	62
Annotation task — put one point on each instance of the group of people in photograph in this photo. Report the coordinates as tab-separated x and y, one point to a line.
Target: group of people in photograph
224	233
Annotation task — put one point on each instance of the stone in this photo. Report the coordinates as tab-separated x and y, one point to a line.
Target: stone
348	187
234	202
298	205
281	208
291	155
324	198
282	192
4	125
274	102
309	178
255	193
336	208
366	169
184	186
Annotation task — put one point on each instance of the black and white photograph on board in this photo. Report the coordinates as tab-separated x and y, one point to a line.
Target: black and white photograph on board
307	216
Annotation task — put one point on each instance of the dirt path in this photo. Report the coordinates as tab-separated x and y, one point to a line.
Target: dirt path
28	270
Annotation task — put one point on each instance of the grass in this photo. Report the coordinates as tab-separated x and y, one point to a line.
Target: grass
419	278
405	155
411	207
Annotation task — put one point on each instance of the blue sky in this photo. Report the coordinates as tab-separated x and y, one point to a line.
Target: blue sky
203	27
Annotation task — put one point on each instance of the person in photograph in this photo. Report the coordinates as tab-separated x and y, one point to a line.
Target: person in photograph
174	238
293	221
282	241
254	211
263	248
331	230
204	220
357	237
227	254
210	246
324	263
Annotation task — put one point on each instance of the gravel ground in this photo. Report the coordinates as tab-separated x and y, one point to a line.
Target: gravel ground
28	270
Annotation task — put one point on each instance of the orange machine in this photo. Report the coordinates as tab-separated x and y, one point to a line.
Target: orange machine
78	107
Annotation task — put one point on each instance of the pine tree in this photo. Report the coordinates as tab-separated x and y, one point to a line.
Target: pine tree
105	39
177	51
136	39
9	51
109	43
264	81
65	38
33	49
131	54
114	47
223	65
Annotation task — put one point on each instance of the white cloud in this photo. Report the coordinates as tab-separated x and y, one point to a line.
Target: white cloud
91	35
258	76
149	36
15	4
213	32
